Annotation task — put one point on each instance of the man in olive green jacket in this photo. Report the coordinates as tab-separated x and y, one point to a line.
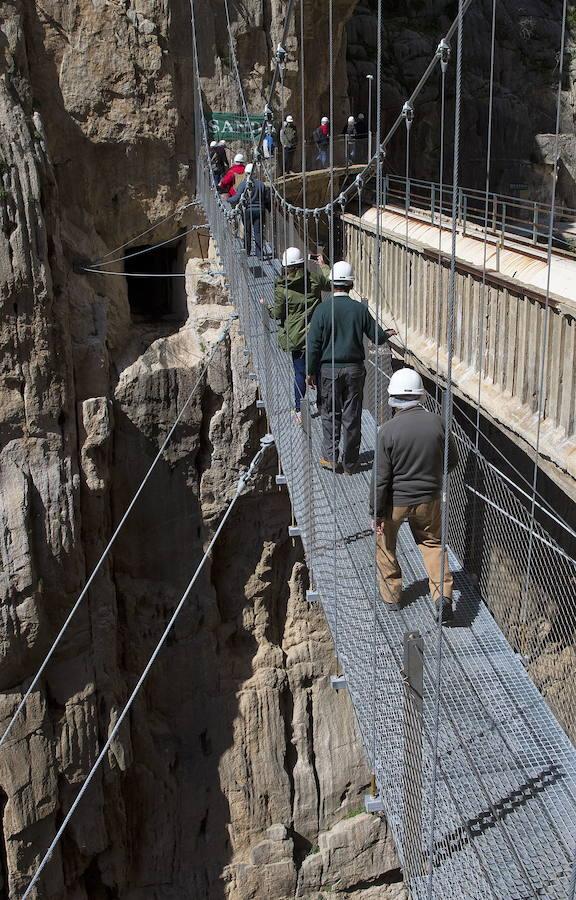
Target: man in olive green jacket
297	293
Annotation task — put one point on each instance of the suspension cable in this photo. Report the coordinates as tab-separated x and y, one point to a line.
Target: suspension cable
149	249
444	51
447	416
544	339
377	400
349	191
242	483
147	231
117	530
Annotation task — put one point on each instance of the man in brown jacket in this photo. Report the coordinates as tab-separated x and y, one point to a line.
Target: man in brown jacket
406	486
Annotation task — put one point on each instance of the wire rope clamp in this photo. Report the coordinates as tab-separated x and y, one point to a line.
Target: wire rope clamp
373	804
316	214
294	531
252	376
312	596
359	182
443	53
267	441
281	480
342	200
260	404
246	353
280	55
408	114
338	682
269	115
234	316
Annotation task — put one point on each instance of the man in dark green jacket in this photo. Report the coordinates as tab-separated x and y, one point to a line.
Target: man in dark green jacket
297	293
342	374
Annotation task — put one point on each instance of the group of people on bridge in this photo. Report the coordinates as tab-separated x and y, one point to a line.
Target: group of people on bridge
326	339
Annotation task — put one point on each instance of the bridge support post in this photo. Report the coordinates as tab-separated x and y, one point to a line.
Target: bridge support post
412	775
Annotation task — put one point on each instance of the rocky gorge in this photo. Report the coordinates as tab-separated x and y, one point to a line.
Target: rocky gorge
240	772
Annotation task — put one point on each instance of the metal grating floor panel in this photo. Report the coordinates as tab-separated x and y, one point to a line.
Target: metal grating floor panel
505	815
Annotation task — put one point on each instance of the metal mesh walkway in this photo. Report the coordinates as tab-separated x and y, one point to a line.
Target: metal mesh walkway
505	813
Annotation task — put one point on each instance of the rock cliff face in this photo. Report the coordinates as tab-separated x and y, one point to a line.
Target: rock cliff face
239	773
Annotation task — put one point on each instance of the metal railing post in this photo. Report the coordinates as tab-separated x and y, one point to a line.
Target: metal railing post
432	201
412	775
464	212
535	224
494	212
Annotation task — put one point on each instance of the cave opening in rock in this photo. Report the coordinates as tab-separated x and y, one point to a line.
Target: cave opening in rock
156	297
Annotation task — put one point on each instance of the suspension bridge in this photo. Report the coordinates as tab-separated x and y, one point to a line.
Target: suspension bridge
473	768
472	756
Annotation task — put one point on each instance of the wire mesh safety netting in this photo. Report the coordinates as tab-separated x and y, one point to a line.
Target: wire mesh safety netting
496	816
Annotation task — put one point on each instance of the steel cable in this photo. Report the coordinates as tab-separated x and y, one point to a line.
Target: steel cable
244	479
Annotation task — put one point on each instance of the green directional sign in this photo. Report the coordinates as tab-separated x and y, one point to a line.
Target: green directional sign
233	127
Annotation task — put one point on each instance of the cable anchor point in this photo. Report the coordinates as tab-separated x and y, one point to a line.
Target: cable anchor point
443	53
408	114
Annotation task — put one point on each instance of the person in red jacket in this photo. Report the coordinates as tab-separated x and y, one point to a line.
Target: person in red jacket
235	174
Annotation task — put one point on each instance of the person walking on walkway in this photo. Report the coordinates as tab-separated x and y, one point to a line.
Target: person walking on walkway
289	141
297	293
257	204
321	138
341	327
406	487
230	182
351	133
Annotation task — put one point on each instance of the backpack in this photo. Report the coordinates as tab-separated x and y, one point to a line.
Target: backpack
290	135
238	179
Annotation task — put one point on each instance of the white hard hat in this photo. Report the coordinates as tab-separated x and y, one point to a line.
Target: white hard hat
350	119
213	144
342	273
249	168
324	120
239	158
292	257
222	143
405	383
289	119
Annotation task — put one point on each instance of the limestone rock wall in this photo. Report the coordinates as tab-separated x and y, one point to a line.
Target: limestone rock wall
239	773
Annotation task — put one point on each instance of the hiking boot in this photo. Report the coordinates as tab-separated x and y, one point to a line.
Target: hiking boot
328	464
351	470
447	612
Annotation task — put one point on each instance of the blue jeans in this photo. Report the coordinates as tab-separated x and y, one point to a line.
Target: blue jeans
299	360
323	156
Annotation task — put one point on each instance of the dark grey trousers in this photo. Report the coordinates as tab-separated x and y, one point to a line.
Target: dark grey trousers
342	411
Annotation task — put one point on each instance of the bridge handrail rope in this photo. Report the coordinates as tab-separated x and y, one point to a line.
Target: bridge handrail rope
243	481
222	336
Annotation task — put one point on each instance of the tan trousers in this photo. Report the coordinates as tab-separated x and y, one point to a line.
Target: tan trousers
425	523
